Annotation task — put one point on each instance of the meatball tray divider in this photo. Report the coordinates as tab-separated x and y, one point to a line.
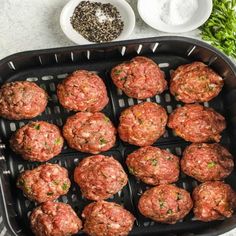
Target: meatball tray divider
49	67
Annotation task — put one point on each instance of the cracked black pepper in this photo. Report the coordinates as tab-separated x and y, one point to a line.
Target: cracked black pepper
97	22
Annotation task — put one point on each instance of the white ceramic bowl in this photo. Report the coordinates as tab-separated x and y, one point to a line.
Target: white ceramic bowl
147	10
122	6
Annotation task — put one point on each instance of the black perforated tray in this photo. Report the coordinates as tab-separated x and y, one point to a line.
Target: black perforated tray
48	67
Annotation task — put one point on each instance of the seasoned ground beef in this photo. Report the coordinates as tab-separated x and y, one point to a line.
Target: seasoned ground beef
196	123
139	78
100	177
54	219
206	162
165	203
83	91
89	132
107	219
44	183
153	165
213	201
37	141
22	100
195	82
142	124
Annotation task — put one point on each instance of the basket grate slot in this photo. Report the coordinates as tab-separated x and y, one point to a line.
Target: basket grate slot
12	126
40	60
47	77
11	65
62	76
121	103
52	87
32	79
164	65
139	49
56	58
123	50
167	97
154	47
212	60
119	92
88	54
169	109
72	56
190	50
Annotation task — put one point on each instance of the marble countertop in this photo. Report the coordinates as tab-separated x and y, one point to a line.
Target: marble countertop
29	25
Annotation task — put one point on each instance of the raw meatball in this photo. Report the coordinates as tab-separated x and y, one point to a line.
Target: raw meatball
22	100
213	201
195	82
139	78
107	219
196	123
83	91
37	141
142	124
153	165
44	183
54	219
165	204
100	177
206	162
89	132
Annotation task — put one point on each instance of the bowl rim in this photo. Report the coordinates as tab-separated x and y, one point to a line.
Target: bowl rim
176	29
79	39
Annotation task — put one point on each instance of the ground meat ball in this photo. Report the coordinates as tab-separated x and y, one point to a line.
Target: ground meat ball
22	100
142	124
89	132
83	91
206	162
139	78
54	219
44	183
37	141
196	123
213	201
100	177
107	219
165	204
195	82
153	165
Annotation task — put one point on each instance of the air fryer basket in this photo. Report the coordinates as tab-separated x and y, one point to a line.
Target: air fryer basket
48	67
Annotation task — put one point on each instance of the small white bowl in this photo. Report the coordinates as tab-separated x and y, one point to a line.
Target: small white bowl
125	10
147	10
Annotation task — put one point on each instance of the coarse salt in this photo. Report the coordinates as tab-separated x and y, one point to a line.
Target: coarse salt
102	17
176	12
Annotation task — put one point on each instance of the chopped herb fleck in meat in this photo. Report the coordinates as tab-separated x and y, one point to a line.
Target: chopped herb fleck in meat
20	182
179	196
37	126
154	162
102	141
49	193
106	119
162	203
58	141
131	170
169	212
117	72
211	164
64	186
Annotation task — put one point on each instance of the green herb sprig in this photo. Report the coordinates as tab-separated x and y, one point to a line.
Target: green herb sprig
220	28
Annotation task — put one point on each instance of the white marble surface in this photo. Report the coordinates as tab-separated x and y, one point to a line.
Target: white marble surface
34	24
